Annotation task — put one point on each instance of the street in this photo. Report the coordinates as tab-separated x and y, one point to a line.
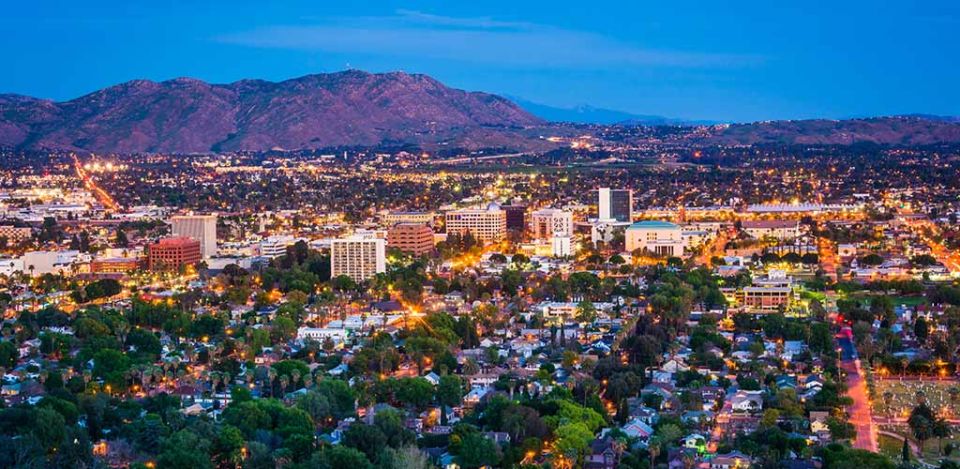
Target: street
860	414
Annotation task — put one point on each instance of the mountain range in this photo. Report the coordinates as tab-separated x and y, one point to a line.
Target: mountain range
313	111
893	130
355	108
586	114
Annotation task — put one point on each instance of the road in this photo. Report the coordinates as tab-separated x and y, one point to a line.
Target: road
92	186
860	414
716	247
827	251
947	257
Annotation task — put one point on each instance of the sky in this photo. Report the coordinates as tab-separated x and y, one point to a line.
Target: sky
718	60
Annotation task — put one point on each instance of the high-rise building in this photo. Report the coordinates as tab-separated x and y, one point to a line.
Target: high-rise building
411	238
615	204
358	257
173	253
202	228
486	225
548	222
516	216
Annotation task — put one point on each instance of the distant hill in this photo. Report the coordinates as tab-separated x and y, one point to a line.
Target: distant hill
355	108
188	115
898	130
585	114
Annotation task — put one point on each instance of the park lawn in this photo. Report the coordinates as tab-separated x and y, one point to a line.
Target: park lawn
892	448
911	301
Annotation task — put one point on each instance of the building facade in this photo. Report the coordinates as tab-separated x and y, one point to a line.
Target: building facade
411	238
393	218
202	228
15	234
615	204
357	257
776	229
549	222
276	246
516	216
173	253
486	225
658	237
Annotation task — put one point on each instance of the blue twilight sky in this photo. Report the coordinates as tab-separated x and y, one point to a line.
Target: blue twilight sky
723	60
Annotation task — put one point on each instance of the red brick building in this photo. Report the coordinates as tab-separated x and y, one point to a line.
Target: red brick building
115	265
411	238
173	253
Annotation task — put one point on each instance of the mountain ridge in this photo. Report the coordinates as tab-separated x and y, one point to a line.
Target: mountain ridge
189	115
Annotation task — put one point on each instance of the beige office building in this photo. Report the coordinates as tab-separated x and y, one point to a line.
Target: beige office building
549	222
202	228
358	257
487	225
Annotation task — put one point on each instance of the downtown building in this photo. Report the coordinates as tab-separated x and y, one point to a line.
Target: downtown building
615	204
488	225
549	222
202	228
657	237
516	216
411	238
393	218
358	257
173	253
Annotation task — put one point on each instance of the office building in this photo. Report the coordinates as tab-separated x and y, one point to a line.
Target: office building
202	228
549	222
15	234
774	229
615	204
486	225
358	257
516	216
276	246
115	265
173	253
393	218
658	237
411	238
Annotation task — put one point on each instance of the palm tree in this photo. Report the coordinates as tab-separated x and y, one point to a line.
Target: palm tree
941	430
653	447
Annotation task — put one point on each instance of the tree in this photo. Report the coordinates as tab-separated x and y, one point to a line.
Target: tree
367	439
669	433
769	418
316	405
409	457
121	238
840	429
227	448
340	457
573	440
449	394
185	449
416	392
921	423
921	329
477	450
586	312
941	430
